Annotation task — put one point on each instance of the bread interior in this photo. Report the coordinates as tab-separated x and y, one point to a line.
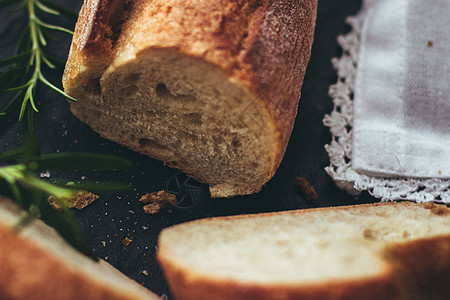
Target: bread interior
310	247
187	113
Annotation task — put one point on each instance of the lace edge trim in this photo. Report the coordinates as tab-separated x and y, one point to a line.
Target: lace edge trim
340	121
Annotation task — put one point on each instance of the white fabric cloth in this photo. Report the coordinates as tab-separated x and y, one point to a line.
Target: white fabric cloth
391	119
401	121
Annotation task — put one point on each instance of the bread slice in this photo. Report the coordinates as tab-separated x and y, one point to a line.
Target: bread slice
209	87
38	264
377	251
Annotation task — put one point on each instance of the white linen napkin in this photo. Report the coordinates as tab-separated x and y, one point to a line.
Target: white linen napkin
401	124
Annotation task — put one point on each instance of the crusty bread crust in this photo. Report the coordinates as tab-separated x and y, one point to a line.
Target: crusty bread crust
191	286
412	269
263	45
29	271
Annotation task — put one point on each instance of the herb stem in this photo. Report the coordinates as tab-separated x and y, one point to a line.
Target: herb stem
37	57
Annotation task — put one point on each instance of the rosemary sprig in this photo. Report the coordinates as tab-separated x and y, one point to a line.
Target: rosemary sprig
18	169
30	56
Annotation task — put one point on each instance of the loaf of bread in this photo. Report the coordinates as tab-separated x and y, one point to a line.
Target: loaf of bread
209	87
37	264
377	251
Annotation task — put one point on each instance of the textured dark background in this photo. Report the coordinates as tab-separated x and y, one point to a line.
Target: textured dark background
106	222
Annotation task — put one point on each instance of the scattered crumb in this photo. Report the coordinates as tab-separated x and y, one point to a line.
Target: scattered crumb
152	208
145	227
307	190
158	197
144	272
429	44
45	174
80	201
156	201
126	241
103	244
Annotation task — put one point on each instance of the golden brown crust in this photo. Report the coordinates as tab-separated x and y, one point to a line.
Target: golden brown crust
29	271
262	45
423	266
190	286
94	38
415	269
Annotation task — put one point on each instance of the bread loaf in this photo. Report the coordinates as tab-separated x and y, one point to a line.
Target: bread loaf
378	251
37	264
209	87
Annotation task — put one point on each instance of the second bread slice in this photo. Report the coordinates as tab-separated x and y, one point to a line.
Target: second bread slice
381	251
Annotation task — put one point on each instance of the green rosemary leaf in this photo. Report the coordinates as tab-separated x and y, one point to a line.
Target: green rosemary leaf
11	103
52	189
20	87
61	9
47	62
59	63
46	9
11	156
41	37
9	77
24	43
53	27
81	161
47	83
18	58
25	101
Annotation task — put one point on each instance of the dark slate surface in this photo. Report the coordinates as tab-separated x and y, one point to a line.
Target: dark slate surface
117	215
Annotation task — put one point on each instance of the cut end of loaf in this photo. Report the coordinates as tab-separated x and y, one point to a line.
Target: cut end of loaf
351	252
187	113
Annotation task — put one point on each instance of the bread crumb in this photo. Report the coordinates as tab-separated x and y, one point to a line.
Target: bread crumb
144	272
126	241
156	201
152	208
429	44
307	190
79	202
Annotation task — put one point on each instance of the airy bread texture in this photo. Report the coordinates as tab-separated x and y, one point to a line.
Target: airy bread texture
378	251
37	264
209	87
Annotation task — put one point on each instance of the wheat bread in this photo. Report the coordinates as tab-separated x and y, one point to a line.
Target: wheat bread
36	263
209	87
375	251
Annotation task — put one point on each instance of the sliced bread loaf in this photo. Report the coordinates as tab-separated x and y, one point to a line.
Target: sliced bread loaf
37	264
209	87
378	251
